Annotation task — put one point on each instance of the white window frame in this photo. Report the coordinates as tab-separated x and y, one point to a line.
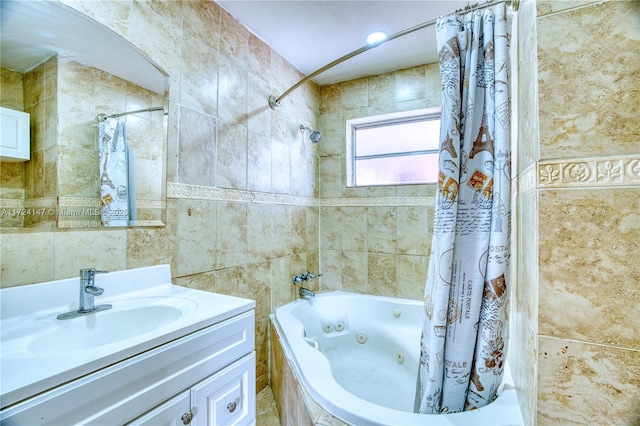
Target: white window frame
383	120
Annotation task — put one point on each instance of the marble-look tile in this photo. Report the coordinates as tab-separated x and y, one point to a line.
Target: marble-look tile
354	228
282	289
231	170
278	361
231	235
199	79
262	347
77	123
154	246
546	7
527	256
355	94
589	263
234	38
259	285
27	257
260	232
281	237
110	93
411	276
75	80
77	172
381	90
12	94
355	271
331	261
581	383
410	84
259	56
266	408
585	84
330	98
527	95
331	226
201	20
299	227
382	229
259	162
280	167
12	181
433	85
196	230
413	229
331	177
232	91
33	84
104	250
523	361
114	15
204	282
197	148
332	128
156	29
260	115
382	279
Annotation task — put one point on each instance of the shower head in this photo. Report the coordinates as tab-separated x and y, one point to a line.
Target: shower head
314	135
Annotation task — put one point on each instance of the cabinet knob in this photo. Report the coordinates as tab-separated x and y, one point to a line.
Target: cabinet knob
186	418
231	407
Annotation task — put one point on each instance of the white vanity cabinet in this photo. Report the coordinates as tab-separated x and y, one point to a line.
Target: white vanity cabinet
204	378
225	398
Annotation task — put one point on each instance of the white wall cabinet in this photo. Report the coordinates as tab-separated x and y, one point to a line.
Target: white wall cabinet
208	375
14	139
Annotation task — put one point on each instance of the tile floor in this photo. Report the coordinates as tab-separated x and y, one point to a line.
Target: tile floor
266	411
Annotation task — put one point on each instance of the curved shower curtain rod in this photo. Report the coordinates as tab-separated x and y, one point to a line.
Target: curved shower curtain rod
274	101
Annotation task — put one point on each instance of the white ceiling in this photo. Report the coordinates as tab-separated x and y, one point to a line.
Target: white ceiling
312	33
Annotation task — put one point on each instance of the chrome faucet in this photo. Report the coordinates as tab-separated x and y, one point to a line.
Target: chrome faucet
308	276
88	290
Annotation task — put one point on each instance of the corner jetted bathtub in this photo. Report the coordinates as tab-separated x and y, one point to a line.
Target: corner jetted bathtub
357	356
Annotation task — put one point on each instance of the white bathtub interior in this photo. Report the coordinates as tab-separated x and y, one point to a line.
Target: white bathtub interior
358	355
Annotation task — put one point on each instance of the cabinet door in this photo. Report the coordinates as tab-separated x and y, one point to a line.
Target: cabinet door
174	412
227	397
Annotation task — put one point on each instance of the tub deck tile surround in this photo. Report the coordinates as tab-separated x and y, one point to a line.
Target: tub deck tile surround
295	406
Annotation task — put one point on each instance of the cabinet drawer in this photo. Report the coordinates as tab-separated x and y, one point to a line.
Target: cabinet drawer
228	397
168	414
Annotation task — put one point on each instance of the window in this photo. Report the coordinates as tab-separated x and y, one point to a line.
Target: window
393	149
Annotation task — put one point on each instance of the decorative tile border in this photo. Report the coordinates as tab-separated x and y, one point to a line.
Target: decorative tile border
177	190
378	202
604	171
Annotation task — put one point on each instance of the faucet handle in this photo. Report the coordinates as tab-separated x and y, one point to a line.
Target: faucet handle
89	273
308	276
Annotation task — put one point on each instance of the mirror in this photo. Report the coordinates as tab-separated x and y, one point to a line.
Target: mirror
65	82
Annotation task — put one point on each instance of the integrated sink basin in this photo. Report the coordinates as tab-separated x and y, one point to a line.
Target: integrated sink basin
41	352
125	320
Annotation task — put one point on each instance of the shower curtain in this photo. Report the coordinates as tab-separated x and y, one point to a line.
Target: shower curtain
463	338
115	172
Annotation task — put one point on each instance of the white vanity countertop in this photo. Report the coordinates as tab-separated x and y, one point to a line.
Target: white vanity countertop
35	357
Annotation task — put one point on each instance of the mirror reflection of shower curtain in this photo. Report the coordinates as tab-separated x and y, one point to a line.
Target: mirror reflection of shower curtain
117	174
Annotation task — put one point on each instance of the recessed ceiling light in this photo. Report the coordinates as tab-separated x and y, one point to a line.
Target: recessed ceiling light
376	37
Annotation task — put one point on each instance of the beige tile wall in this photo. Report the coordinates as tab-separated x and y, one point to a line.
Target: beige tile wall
373	240
577	349
242	215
